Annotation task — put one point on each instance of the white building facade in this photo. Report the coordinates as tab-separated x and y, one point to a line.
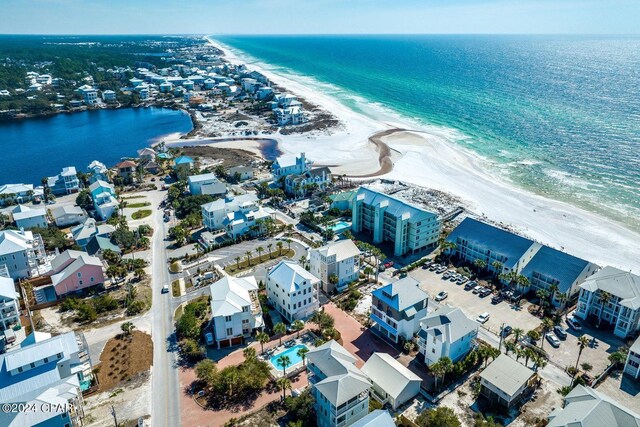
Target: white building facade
446	332
337	261
292	290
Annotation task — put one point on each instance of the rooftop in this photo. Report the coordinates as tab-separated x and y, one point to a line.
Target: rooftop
401	295
377	418
557	265
230	294
388	373
342	249
290	275
394	206
506	374
621	284
437	321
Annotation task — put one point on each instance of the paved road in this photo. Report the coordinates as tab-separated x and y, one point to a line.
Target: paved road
165	407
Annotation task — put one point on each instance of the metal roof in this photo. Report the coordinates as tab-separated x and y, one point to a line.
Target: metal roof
395	206
8	289
342	249
402	294
291	276
448	321
506	374
377	418
389	374
621	284
230	294
557	265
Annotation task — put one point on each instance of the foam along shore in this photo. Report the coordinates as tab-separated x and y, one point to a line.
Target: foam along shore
430	160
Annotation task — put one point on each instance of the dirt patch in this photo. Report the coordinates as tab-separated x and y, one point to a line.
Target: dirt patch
229	156
123	358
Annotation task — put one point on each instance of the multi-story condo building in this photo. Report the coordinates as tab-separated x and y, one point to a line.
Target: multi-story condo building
336	264
388	219
45	369
292	290
290	165
21	252
611	296
396	309
66	182
235	310
340	389
237	215
104	199
632	364
584	406
446	332
9	309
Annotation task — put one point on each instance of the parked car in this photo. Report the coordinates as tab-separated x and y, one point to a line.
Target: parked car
470	285
588	379
506	331
434	267
446	275
388	264
553	340
484	292
441	296
497	299
483	318
208	338
442	269
560	332
454	277
574	324
462	279
477	289
165	289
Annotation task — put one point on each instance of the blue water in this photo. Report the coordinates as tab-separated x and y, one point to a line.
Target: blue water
558	115
291	352
34	148
340	226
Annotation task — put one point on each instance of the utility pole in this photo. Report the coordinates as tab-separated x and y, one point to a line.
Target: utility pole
501	335
113	412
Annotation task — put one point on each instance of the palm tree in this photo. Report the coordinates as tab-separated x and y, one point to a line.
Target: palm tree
528	354
288	243
280	329
582	343
440	369
284	361
509	346
279	245
562	298
539	362
489	353
262	338
480	264
259	249
249	353
553	289
542	294
127	328
497	265
284	384
547	325
517	334
248	255
269	246
302	354
297	326
605	297
447	246
238	262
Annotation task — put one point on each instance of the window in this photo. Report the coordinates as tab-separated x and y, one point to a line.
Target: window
79	274
33	365
80	282
20	369
92	279
229	331
46	360
59	355
227	318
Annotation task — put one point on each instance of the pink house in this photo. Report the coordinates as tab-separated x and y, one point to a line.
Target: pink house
75	270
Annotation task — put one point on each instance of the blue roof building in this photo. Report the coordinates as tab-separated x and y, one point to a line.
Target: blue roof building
184	161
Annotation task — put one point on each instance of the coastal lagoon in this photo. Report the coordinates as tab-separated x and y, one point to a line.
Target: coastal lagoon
38	147
555	115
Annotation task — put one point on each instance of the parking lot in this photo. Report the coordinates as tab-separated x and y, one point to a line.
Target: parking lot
473	305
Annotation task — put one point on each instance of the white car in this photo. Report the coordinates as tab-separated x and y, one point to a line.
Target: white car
441	296
573	323
553	340
165	289
483	318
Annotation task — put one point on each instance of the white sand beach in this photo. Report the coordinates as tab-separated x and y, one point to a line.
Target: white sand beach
430	160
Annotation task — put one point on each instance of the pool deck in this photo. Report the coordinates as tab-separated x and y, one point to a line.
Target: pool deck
307	339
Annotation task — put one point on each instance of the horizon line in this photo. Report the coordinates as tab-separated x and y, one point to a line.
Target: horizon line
310	34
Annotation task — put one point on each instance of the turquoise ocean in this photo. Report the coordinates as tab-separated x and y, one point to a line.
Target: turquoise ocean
556	115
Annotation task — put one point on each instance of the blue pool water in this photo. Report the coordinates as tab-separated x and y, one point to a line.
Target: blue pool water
291	352
340	226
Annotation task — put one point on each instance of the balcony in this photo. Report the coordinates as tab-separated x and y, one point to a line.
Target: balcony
353	402
384	324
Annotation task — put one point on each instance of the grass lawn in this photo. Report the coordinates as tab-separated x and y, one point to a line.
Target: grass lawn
244	265
138	205
143	213
133	197
175	288
123	357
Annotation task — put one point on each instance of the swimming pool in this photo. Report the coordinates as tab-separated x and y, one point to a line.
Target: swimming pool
340	226
291	352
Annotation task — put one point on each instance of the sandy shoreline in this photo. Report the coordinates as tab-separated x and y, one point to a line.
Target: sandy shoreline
431	161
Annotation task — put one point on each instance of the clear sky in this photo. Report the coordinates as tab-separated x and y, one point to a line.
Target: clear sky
318	16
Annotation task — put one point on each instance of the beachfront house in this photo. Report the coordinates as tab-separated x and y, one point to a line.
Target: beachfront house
84	232
289	116
632	364
147	154
235	310
237	215
392	383
336	264
183	164
307	182
66	182
397	308
505	381
49	375
207	183
292	290
89	94
165	87
241	173
98	172
26	217
67	215
388	219
72	271
264	93
339	388
126	170
446	332
9	307
18	193
290	165
104	199
584	406
611	296
108	96
21	253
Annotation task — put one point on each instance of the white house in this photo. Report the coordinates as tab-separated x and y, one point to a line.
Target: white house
104	199
20	252
340	259
292	290
446	332
396	309
611	296
207	183
340	389
392	383
632	364
147	154
67	215
18	193
238	215
298	185
9	308
290	165
89	94
26	217
289	116
108	96
505	381
235	310
98	171
244	172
